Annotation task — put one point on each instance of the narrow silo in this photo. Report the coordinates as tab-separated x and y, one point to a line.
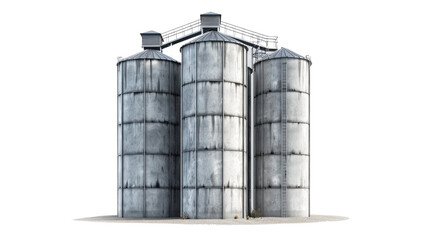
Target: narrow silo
214	127
282	129
148	135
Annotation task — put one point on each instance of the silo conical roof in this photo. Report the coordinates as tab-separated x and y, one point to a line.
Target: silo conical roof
284	53
150	54
214	36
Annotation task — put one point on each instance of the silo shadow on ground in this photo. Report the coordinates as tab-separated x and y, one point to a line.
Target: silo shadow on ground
241	221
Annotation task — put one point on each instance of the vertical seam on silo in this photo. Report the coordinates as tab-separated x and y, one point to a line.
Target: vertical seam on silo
242	137
169	162
250	116
122	139
223	121
181	138
144	132
283	153
195	135
263	139
309	127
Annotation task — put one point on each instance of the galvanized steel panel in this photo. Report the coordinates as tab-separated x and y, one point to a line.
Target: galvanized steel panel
271	108
233	203
233	97
272	202
297	73
269	168
189	174
133	171
158	137
209	203
158	202
133	107
188	102
209	61
297	202
233	133
133	202
188	134
188	66
158	107
188	202
233	71
209	98
158	76
209	169
233	169
133	139
271	75
297	175
209	132
158	171
133	78
297	138
272	171
271	138
297	108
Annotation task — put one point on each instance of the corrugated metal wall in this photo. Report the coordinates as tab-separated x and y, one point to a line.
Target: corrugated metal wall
269	174
148	138
214	130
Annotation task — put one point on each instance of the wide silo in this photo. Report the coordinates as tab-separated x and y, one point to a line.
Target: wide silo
214	127
282	131
148	135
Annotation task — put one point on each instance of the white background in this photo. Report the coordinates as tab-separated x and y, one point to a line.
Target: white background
369	118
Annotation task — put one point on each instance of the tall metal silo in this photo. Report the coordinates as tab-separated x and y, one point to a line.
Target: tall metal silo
214	127
148	135
282	130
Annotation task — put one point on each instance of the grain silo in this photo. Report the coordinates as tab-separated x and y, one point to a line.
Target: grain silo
282	148
217	136
148	133
214	127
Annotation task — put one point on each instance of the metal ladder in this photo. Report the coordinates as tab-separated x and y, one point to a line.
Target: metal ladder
283	139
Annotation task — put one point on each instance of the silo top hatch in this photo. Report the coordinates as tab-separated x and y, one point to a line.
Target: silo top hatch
210	21
151	40
214	36
149	54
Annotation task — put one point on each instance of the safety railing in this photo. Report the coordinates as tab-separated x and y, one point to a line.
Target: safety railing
249	35
179	32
